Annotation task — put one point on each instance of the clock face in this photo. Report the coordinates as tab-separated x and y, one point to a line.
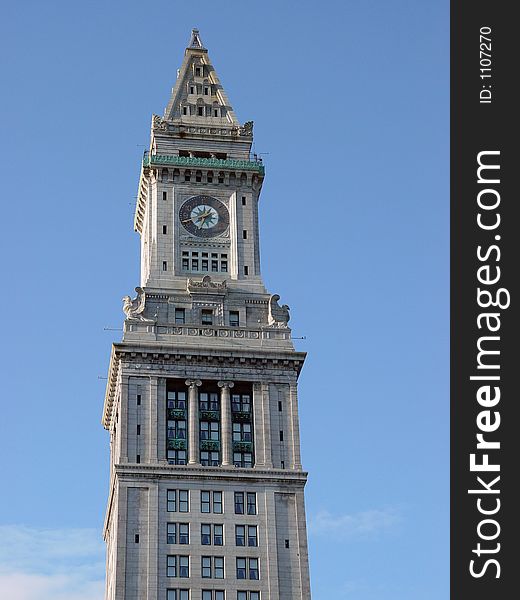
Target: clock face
204	216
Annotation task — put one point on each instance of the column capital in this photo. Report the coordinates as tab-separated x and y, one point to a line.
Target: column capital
193	383
228	384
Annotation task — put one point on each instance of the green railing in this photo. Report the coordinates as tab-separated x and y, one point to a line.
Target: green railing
209	415
213	163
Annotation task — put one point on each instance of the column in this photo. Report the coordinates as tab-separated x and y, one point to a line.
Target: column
151	450
193	420
295	427
225	422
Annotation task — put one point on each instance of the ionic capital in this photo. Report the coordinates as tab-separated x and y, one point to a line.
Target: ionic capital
228	384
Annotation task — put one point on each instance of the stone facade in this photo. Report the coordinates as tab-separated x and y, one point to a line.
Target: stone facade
206	494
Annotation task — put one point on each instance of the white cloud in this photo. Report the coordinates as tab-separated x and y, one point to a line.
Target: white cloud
51	564
365	523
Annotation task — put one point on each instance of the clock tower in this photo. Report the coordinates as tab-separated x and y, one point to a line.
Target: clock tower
206	487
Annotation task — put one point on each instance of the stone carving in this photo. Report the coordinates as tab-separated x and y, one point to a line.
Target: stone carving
278	315
206	285
247	129
133	308
159	123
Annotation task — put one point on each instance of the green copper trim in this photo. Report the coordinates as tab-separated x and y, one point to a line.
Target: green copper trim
214	163
176	444
176	413
209	445
242	446
209	415
241	416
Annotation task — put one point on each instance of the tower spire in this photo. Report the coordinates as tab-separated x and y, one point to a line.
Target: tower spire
195	41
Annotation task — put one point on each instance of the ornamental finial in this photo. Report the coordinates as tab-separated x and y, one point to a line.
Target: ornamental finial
195	41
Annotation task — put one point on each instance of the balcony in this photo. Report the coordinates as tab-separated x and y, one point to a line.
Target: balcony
208	163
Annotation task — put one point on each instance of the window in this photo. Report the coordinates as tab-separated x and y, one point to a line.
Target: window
184	566
244	234
138	399
246	270
240	535
223	266
206	566
287	543
218	535
213	595
177	430
209	401
184	110
241	403
138	429
165	195
248	595
209	459
234	318
180	316
214	266
171	500
241	568
184	501
138	458
253	568
209	430
171	533
243	200
218	563
252	535
251	503
207	317
243	460
205	535
177	457
279	405
200	110
165	229
197	71
171	566
192	89
194	264
177	594
239	503
187	175
164	265
204	264
205	502
184	533
281	436
177	399
185	264
136	538
215	112
206	91
242	432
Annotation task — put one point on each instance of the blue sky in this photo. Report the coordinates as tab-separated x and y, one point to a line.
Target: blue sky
350	103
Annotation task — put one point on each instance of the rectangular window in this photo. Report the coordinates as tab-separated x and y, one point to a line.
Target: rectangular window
172	500
234	318
209	459
246	270
204	264
138	429
184	501
220	595
251	503
165	196
206	566
200	111
223	266
164	229
177	594
205	534
205	502
281	436
240	535
217	500
241	595
206	91
192	89
197	71
241	568
184	110
207	317
185	264
243	200
138	399
218	535
136	538
184	533
218	563
214	266
239	503
171	529
180	316
253	568
279	405
194	264
164	266
254	595
171	566
252	535
244	234
184	566
138	458
207	595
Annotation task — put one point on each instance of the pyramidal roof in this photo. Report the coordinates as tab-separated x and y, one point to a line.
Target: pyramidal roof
198	95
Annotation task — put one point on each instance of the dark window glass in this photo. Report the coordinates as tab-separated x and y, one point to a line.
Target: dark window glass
234	318
239	503
205	535
180	316
251	503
